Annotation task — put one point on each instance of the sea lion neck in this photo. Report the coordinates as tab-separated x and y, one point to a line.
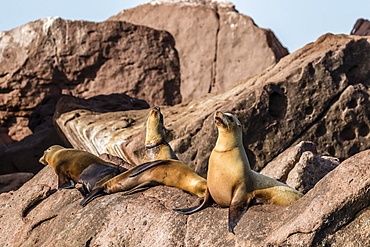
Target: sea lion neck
228	140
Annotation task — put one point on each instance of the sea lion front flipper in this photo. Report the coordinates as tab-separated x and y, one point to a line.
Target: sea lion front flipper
204	203
238	207
64	182
147	166
92	195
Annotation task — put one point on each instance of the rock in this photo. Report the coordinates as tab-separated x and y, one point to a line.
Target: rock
280	167
309	170
300	166
24	155
38	214
5	139
361	27
13	181
319	93
85	59
344	129
222	49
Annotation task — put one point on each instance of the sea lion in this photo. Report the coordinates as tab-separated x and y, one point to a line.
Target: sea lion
76	166
156	147
230	180
172	173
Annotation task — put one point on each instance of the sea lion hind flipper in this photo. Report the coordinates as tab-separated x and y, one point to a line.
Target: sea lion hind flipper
143	185
203	204
96	174
92	195
147	166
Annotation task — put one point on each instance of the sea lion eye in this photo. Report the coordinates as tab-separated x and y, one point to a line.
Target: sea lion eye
230	118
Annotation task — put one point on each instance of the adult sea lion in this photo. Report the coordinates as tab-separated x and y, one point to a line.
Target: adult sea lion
172	173
76	166
156	147
230	180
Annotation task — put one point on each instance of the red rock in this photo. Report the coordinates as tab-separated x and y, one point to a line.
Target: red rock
85	59
13	181
222	49
38	214
361	27
318	93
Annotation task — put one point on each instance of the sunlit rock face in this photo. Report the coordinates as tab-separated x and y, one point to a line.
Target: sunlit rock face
319	93
85	59
217	46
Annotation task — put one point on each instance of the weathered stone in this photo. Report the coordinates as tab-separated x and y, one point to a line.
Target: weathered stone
13	181
222	49
309	170
361	27
38	214
280	167
300	166
23	156
329	77
85	59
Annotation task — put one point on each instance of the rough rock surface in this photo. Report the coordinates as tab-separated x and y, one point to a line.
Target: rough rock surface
85	59
38	214
222	49
13	181
300	166
361	27
23	156
331	77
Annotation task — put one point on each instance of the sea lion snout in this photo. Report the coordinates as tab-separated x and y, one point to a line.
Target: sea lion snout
42	160
219	119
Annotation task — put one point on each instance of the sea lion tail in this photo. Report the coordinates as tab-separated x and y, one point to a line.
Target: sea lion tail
92	195
203	204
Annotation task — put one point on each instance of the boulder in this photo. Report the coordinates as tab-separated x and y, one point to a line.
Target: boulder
38	214
23	156
222	49
361	27
13	181
319	93
55	56
300	166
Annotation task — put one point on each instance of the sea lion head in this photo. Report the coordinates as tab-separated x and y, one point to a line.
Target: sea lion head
154	126
229	131
48	153
227	122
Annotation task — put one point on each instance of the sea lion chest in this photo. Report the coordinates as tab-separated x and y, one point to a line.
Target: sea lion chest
226	172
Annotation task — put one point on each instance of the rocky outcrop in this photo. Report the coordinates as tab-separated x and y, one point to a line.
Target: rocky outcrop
38	214
222	49
85	59
300	166
13	181
330	77
23	156
361	27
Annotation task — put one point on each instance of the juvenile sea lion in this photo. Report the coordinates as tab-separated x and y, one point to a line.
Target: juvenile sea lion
230	180
172	173
76	166
156	147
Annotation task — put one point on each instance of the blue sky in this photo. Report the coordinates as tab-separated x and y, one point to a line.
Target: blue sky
295	23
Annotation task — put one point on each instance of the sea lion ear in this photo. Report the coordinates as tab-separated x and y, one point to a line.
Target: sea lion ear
238	122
